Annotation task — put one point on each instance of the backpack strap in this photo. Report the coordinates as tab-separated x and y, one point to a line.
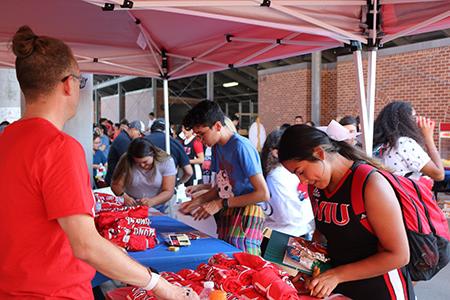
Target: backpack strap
361	173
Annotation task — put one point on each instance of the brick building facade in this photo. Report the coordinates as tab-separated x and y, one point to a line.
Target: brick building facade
418	73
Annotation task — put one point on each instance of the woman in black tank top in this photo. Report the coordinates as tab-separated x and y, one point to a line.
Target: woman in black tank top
365	265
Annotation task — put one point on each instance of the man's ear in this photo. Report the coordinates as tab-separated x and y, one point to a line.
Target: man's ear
68	86
319	153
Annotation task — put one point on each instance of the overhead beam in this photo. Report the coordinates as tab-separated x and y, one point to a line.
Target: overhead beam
114	81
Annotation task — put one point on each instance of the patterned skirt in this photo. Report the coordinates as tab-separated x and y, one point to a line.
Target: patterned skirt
242	227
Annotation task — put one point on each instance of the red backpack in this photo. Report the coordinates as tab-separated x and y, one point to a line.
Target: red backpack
426	225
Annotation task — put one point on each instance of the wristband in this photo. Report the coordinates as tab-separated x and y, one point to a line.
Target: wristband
225	203
153	281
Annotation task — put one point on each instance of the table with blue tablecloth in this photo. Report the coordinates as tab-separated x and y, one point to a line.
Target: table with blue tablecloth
161	259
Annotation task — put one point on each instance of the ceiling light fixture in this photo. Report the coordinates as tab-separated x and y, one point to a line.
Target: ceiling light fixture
230	84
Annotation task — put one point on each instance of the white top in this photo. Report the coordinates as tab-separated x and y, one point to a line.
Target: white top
288	210
148	183
253	135
408	156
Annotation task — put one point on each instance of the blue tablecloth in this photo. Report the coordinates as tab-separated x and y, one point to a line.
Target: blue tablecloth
161	259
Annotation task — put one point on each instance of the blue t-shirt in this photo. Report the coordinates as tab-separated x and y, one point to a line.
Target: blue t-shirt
105	141
239	160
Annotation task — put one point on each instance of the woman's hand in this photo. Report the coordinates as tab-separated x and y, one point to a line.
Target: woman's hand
426	125
324	284
189	206
167	291
129	201
145	201
208	209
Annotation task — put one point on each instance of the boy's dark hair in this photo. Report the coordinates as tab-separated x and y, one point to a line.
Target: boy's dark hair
151	114
298	117
234	117
348	120
285	126
124	122
206	113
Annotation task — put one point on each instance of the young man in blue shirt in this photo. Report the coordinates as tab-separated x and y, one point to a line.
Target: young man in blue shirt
238	186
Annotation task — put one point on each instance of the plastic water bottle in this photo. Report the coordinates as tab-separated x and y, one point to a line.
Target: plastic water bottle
208	287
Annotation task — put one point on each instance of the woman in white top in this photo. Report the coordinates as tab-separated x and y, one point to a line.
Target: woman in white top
288	210
404	142
145	175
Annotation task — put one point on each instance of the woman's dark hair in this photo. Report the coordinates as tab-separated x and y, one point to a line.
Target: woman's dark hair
138	148
94	136
394	121
206	113
103	127
269	161
349	120
298	143
41	62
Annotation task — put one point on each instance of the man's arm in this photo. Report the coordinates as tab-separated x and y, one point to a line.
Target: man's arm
187	173
89	246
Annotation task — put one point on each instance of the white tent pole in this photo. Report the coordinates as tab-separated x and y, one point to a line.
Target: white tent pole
357	60
166	114
371	80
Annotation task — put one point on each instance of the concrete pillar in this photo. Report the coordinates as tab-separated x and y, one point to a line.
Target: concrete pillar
155	96
316	65
210	86
122	105
80	126
10	96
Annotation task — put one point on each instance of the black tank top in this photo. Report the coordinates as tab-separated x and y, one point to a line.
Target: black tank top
349	241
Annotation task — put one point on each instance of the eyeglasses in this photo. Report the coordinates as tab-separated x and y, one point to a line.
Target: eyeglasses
80	78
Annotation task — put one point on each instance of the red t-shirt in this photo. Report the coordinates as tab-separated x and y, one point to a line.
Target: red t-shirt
43	177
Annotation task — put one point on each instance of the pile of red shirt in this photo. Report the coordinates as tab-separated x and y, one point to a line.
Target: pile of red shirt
245	276
127	227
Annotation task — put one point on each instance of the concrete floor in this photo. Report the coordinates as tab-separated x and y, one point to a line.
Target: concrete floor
438	288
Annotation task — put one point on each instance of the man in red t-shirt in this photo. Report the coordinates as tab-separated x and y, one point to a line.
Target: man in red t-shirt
50	246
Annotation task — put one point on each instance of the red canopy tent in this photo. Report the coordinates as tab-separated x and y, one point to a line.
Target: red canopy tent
171	39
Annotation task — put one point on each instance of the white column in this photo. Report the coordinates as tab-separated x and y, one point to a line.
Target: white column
371	84
80	126
166	114
357	60
10	96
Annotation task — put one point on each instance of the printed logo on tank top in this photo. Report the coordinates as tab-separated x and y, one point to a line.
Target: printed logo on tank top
327	212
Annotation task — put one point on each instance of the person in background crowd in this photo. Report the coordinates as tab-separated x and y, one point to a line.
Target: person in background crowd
351	124
235	119
105	142
110	128
239	183
104	121
194	150
298	120
151	118
158	138
3	125
145	175
117	130
288	210
310	123
124	124
99	162
120	145
54	253
364	265
399	138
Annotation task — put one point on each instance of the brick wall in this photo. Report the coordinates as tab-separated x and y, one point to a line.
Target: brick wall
282	96
421	77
